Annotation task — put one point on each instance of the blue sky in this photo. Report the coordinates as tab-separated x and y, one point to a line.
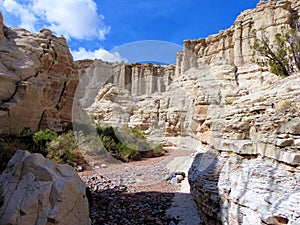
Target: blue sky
94	27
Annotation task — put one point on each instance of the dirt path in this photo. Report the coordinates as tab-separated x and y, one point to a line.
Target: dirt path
138	193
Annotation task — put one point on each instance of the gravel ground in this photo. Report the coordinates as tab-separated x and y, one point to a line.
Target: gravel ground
133	193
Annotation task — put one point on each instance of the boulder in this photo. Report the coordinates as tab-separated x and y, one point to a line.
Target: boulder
34	190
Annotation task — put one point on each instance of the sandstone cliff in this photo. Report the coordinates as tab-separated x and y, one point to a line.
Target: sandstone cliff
38	79
246	119
138	79
234	44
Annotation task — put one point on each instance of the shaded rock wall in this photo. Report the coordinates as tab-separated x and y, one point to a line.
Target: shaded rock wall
38	79
253	140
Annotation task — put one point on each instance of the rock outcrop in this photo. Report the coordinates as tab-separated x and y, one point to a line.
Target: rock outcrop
246	118
234	44
250	168
1	29
137	79
34	190
247	171
38	79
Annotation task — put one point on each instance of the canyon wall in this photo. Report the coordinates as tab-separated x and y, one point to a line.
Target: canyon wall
38	79
234	44
248	168
246	119
138	79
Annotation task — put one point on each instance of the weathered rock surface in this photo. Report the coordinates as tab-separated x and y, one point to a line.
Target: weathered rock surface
234	44
232	189
247	116
250	172
137	79
38	79
34	190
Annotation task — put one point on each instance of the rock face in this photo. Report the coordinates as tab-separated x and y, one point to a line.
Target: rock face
247	171
253	177
247	120
137	79
234	44
38	79
1	29
34	190
127	94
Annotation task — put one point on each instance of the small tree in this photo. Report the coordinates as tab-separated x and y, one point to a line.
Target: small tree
282	55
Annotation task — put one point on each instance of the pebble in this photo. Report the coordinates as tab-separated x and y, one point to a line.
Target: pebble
114	203
176	177
132	194
179	178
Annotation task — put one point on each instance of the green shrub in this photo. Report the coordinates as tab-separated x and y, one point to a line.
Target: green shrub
42	138
282	55
159	150
61	148
126	143
64	149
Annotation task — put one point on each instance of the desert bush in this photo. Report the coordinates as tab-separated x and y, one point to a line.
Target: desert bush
64	149
42	138
60	148
126	143
281	55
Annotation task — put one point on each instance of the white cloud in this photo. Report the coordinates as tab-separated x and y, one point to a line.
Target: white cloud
77	19
26	17
100	53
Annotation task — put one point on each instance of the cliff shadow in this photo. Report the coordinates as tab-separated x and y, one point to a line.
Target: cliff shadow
203	178
113	206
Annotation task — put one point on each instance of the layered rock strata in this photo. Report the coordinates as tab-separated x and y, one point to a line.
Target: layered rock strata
249	171
234	44
245	118
137	79
248	168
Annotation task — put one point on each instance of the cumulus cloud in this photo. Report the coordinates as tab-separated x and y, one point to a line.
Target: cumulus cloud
77	19
100	53
26	17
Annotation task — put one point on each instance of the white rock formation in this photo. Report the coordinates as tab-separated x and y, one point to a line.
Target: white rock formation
246	118
34	190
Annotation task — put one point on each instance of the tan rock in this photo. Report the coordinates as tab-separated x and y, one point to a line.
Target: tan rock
2	37
284	142
38	79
